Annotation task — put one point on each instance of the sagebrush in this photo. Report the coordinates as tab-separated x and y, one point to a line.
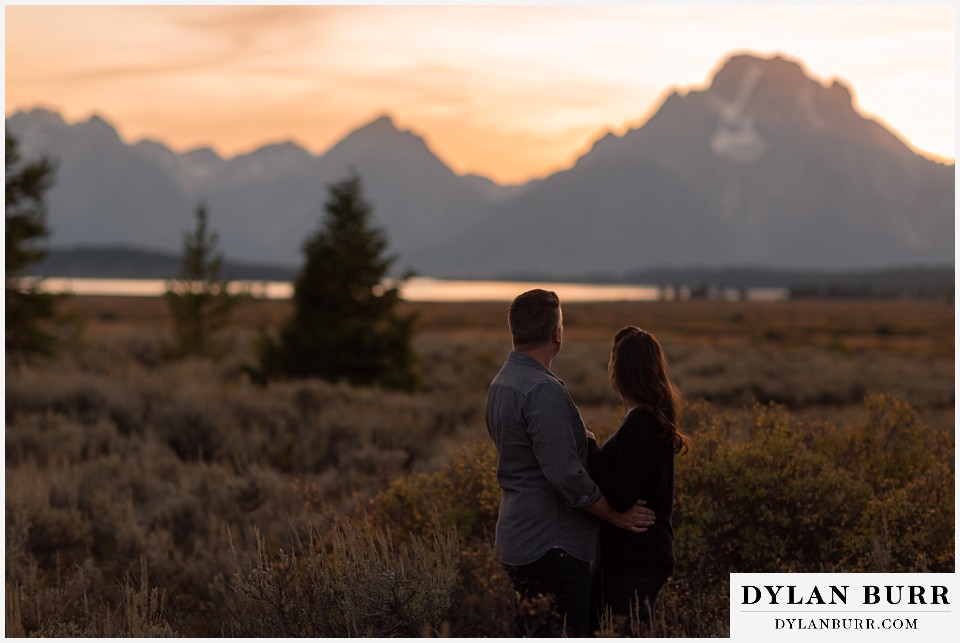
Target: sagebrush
150	497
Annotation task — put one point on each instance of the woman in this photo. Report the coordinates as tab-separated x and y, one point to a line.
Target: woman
636	463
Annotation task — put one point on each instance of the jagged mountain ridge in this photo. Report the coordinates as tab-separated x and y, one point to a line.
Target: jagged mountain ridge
796	170
765	166
263	203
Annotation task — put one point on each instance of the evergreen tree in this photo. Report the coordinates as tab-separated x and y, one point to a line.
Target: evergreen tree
199	300
28	311
345	325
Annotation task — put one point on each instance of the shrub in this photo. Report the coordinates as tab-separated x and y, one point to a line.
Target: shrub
367	584
463	493
771	502
73	609
764	491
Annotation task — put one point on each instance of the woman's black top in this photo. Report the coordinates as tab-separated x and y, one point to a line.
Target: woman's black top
636	463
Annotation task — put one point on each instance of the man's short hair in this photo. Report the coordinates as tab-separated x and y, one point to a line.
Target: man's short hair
533	316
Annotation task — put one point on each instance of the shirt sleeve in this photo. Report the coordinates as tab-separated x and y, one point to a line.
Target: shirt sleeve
552	422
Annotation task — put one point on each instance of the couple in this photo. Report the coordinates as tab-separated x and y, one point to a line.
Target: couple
565	500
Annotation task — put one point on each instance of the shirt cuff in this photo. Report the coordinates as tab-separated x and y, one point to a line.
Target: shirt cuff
586	501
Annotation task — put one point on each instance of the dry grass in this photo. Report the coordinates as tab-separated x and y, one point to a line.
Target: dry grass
148	497
920	327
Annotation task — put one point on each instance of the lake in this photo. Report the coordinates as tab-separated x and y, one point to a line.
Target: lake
424	289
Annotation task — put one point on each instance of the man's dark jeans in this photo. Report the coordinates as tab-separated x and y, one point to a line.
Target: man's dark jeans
567	580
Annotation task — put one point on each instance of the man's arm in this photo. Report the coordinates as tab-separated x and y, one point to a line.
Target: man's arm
636	519
549	414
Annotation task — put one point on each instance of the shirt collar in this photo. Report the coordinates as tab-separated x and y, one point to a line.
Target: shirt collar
525	360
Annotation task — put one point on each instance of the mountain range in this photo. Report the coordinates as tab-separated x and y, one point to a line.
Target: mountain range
764	166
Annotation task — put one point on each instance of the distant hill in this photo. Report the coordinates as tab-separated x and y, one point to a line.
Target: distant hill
123	262
765	166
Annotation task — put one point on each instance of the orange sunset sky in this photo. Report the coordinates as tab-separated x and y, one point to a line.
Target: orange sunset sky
509	92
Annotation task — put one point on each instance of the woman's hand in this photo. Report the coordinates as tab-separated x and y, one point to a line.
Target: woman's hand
590	435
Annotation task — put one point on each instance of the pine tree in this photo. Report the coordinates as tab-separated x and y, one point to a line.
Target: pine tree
345	324
29	312
199	300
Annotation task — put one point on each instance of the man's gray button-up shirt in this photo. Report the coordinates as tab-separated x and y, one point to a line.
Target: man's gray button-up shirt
542	468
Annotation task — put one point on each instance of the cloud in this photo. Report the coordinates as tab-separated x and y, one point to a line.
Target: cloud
544	75
254	30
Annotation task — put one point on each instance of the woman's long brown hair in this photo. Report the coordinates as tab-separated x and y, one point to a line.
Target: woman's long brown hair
640	370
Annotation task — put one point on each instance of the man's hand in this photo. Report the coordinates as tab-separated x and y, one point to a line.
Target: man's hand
636	519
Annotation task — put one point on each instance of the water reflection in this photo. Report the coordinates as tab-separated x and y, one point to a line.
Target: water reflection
422	289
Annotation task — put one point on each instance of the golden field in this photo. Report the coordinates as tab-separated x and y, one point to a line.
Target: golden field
147	496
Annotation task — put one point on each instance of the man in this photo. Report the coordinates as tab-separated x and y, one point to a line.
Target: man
545	537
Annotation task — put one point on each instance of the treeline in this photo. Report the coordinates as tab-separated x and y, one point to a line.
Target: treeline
905	281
